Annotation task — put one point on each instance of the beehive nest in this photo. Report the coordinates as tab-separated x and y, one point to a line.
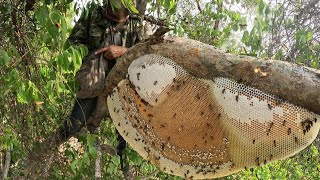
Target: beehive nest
204	128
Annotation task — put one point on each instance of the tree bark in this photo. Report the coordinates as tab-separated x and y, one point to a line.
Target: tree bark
1	164
7	163
97	172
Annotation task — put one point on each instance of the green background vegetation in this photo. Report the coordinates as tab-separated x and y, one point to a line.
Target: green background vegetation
37	69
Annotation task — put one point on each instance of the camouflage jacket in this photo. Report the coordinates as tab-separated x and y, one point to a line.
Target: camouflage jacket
97	31
96	28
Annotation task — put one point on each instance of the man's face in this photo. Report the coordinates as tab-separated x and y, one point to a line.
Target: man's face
117	12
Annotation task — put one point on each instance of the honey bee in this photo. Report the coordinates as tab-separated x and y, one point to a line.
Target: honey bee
138	76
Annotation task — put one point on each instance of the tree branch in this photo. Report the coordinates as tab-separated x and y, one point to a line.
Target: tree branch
152	20
97	172
7	163
1	163
198	6
219	10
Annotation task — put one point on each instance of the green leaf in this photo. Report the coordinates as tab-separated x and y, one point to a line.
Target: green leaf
60	87
133	9
235	27
10	79
245	37
4	57
63	62
172	10
261	7
91	140
74	165
63	29
278	55
309	36
53	30
135	157
76	59
86	159
83	50
114	4
115	160
41	14
112	168
49	87
55	17
24	95
167	4
93	151
180	30
54	23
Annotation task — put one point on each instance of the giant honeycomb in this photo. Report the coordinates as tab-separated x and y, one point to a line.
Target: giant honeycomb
204	128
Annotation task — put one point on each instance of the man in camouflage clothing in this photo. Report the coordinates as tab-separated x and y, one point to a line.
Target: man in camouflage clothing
107	34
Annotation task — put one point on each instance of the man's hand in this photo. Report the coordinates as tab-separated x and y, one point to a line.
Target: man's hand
112	51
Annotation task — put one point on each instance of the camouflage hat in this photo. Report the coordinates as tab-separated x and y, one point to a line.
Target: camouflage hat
117	4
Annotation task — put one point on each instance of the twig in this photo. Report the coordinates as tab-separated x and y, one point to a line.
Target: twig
6	164
97	172
152	20
1	162
198	6
161	31
26	15
219	10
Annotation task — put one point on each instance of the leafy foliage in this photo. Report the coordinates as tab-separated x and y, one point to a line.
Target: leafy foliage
285	31
37	68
